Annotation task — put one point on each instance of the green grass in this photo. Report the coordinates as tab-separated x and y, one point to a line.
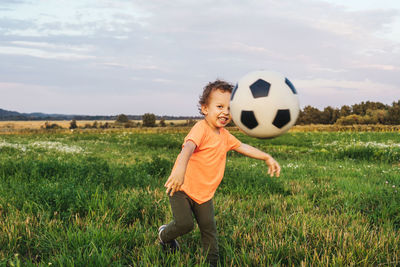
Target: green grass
97	199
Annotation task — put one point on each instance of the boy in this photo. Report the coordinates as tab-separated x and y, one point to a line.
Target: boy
199	169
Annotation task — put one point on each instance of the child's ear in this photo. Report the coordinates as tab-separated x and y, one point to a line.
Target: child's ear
204	109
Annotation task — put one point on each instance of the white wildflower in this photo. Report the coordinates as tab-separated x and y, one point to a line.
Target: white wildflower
291	165
49	145
16	146
373	144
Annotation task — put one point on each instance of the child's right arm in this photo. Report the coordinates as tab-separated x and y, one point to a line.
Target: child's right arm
175	180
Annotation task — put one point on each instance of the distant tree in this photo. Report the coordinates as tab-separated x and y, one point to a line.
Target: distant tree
73	125
129	124
122	118
149	120
350	120
369	105
162	123
377	116
393	116
359	109
335	115
366	113
48	125
105	125
345	111
309	115
329	115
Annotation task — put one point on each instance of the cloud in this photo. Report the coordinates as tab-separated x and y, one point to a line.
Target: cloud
9	50
175	47
336	93
47	50
52	46
380	67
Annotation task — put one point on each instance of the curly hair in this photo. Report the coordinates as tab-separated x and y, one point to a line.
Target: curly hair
210	87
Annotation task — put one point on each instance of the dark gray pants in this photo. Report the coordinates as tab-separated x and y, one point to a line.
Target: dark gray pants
182	209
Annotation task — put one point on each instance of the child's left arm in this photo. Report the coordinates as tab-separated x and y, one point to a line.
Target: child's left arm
273	165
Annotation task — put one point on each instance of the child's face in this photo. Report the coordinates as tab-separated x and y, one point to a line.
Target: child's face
217	112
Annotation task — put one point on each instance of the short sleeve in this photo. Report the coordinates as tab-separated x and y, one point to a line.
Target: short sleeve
196	134
233	142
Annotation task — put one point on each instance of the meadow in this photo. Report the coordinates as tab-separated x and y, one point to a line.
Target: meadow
19	126
12	126
96	198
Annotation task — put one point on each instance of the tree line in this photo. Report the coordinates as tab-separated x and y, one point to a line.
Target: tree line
368	112
123	121
364	113
6	115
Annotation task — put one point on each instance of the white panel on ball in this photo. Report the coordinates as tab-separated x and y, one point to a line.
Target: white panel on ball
264	104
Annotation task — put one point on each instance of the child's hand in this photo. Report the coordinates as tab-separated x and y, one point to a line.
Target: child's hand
174	184
177	177
273	167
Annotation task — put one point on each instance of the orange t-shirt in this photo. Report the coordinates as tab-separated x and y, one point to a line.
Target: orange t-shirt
206	166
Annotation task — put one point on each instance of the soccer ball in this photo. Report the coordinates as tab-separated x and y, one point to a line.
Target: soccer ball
264	104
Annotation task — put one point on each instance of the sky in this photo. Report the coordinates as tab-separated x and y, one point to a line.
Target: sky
107	57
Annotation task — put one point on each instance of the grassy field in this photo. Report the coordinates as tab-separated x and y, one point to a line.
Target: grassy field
21	125
15	126
96	198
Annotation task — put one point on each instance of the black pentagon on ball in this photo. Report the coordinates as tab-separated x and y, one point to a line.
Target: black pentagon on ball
260	88
248	119
234	91
291	86
282	118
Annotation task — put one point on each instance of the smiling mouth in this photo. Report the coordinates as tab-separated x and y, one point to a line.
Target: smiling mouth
223	119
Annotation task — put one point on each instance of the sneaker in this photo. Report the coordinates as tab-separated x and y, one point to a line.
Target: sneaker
170	246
